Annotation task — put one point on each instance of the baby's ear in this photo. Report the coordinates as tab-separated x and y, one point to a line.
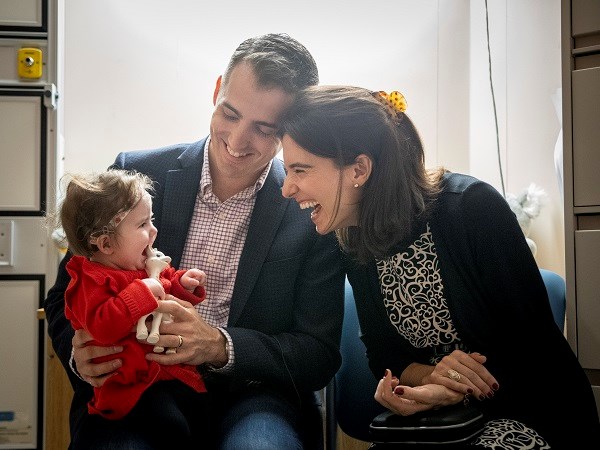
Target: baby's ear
104	245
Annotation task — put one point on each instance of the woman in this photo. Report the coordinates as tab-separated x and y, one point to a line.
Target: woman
449	296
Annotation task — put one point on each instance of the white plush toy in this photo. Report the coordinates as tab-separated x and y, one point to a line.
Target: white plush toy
527	206
155	264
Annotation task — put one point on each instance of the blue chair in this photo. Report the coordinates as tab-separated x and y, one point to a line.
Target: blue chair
349	396
557	294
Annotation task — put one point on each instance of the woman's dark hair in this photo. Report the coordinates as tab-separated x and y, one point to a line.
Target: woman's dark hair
342	122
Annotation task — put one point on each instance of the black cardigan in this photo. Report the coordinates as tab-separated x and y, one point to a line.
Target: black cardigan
500	308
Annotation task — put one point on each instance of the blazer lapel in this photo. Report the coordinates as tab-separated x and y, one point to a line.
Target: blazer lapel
181	188
268	212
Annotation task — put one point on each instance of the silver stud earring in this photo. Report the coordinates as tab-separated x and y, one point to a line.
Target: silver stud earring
355	185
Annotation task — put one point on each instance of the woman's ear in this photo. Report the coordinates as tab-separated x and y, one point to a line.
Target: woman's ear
361	169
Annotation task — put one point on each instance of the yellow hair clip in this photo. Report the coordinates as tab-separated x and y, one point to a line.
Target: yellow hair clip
395	99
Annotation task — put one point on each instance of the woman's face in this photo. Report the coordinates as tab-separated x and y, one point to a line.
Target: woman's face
314	182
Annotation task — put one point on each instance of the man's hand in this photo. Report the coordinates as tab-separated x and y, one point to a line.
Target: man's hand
83	354
201	343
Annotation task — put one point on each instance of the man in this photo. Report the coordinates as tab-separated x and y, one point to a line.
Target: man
267	335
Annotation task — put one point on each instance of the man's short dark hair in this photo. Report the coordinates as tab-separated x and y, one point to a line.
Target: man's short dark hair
278	60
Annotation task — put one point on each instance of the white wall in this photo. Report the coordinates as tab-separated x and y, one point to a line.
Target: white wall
140	74
526	68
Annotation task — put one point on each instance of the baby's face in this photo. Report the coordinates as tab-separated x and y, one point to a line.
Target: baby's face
133	236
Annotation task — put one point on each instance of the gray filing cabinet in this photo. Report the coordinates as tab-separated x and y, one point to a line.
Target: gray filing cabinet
28	148
581	158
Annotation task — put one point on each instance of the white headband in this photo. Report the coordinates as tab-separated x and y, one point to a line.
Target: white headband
114	222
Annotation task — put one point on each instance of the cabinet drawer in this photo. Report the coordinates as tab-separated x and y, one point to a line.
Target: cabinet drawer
21	372
586	136
27	16
587	285
585	17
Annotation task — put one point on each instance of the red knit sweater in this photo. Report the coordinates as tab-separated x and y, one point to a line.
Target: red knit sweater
107	303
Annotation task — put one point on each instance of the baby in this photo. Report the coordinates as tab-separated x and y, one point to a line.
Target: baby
107	220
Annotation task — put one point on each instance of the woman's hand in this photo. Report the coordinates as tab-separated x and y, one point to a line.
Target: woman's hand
200	343
83	356
464	372
406	400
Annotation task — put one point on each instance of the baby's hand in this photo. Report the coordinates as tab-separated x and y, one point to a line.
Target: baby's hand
155	286
192	279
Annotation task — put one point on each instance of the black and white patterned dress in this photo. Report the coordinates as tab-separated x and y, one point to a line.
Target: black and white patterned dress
413	295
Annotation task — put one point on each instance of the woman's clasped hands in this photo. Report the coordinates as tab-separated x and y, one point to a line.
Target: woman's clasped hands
465	373
406	400
457	377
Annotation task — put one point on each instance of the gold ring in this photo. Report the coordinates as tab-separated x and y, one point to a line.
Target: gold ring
453	375
181	342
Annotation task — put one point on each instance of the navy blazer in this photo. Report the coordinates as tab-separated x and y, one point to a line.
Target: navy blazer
287	307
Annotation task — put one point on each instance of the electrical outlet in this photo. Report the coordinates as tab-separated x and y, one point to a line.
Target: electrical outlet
6	242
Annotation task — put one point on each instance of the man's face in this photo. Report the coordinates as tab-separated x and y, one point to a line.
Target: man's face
244	126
